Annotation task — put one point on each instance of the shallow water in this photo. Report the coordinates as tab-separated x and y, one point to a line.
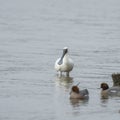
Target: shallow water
32	35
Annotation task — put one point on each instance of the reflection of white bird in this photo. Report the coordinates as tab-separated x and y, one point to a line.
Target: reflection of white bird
65	63
112	91
64	81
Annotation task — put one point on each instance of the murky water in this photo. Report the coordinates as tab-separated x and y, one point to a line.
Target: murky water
32	35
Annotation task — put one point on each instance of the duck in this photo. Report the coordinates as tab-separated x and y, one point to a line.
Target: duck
76	93
64	63
109	91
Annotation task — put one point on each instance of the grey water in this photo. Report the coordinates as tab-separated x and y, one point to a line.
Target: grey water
32	36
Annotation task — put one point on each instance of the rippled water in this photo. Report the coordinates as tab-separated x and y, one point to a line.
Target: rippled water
32	35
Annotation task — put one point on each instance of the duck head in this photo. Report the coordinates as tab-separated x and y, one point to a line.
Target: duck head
75	89
104	86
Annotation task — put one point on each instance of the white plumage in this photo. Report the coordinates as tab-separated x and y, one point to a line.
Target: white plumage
64	63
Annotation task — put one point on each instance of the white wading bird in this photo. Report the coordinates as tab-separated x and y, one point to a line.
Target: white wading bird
65	63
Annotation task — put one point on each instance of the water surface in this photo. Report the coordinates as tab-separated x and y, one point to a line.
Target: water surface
32	36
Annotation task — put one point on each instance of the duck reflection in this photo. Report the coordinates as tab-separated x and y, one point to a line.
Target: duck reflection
64	81
104	102
78	102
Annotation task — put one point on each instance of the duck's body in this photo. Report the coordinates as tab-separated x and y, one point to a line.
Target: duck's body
79	94
112	91
65	63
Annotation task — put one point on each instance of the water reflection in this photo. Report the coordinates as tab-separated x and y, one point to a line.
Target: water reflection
64	81
104	102
78	102
105	97
118	111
